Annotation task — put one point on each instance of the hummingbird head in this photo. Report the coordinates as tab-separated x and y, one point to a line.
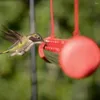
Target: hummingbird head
36	38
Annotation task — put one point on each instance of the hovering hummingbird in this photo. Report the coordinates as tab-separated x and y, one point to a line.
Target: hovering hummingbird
21	44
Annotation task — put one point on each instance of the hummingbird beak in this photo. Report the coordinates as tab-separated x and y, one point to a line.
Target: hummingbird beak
43	40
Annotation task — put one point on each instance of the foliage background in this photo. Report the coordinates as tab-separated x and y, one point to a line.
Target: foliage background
15	72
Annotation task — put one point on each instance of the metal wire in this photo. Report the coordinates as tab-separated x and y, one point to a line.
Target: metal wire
33	60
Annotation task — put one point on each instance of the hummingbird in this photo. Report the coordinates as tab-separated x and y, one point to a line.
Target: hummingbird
21	44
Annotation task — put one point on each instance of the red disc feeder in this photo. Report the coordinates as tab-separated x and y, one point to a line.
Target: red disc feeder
78	56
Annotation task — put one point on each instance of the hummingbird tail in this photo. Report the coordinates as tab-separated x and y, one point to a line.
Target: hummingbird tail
7	51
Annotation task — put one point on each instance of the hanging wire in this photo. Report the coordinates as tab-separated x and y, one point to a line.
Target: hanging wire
33	59
76	18
52	18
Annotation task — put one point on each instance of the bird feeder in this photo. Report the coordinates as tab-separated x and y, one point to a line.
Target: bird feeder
78	56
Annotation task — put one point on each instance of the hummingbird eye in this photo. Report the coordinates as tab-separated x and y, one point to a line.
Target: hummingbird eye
39	37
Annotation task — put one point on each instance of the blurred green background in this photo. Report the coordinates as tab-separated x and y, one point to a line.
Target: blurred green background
53	84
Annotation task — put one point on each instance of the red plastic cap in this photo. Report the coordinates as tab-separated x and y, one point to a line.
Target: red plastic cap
79	57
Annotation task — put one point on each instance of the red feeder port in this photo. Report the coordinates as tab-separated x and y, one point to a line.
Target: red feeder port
78	57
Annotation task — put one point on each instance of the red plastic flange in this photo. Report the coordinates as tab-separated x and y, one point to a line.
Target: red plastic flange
79	57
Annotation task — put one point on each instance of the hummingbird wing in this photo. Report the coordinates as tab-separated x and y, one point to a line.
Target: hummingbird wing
12	36
16	46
